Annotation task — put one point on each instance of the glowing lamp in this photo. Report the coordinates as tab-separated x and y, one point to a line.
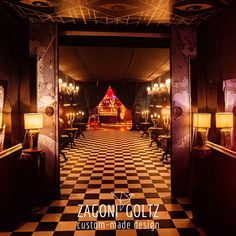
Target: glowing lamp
224	120
33	122
201	121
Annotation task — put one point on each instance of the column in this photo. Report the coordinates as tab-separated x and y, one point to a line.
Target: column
183	47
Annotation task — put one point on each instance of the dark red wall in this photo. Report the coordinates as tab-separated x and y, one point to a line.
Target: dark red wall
217	45
215	62
14	67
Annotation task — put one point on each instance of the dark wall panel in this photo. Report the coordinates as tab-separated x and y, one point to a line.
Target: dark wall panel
14	70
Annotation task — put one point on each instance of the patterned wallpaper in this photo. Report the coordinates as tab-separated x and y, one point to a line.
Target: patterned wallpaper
183	46
43	43
230	104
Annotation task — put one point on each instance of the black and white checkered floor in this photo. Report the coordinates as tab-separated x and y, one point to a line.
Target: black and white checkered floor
103	168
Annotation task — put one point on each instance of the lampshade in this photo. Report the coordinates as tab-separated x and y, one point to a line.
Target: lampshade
202	120
224	120
33	120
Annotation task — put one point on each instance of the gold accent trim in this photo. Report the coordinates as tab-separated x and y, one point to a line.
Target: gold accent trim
221	149
11	150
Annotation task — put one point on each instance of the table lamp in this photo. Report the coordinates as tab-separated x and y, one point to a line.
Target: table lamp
202	123
33	122
224	121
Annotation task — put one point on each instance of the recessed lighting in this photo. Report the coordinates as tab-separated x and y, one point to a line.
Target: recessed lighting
194	7
40	3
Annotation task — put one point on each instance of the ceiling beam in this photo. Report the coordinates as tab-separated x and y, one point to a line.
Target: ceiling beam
115	34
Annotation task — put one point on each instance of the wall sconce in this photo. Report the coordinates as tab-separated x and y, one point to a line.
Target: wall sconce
168	81
33	122
224	121
202	123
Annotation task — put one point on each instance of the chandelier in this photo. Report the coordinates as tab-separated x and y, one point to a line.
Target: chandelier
69	89
159	87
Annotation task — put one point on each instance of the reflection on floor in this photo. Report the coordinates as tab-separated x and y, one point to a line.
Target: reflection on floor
118	126
108	168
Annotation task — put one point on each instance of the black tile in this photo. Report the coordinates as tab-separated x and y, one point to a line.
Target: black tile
146	232
162	190
186	207
161	207
33	218
91	196
178	215
96	178
107	190
105	233
188	232
135	190
67	186
55	209
169	201
133	181
142	171
21	234
121	185
131	174
85	174
105	216
157	181
108	182
154	174
138	201
151	195
74	202
165	223
94	186
107	202
147	186
79	190
69	217
120	177
82	181
46	226
63	233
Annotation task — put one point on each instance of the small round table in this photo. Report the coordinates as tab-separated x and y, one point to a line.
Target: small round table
80	127
167	146
72	134
145	128
154	130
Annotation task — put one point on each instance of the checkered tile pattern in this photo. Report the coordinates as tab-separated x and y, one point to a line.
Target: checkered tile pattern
106	162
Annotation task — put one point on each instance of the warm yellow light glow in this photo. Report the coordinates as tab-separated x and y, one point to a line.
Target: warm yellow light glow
60	81
0	119
224	120
202	120
148	88
165	111
33	120
168	83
